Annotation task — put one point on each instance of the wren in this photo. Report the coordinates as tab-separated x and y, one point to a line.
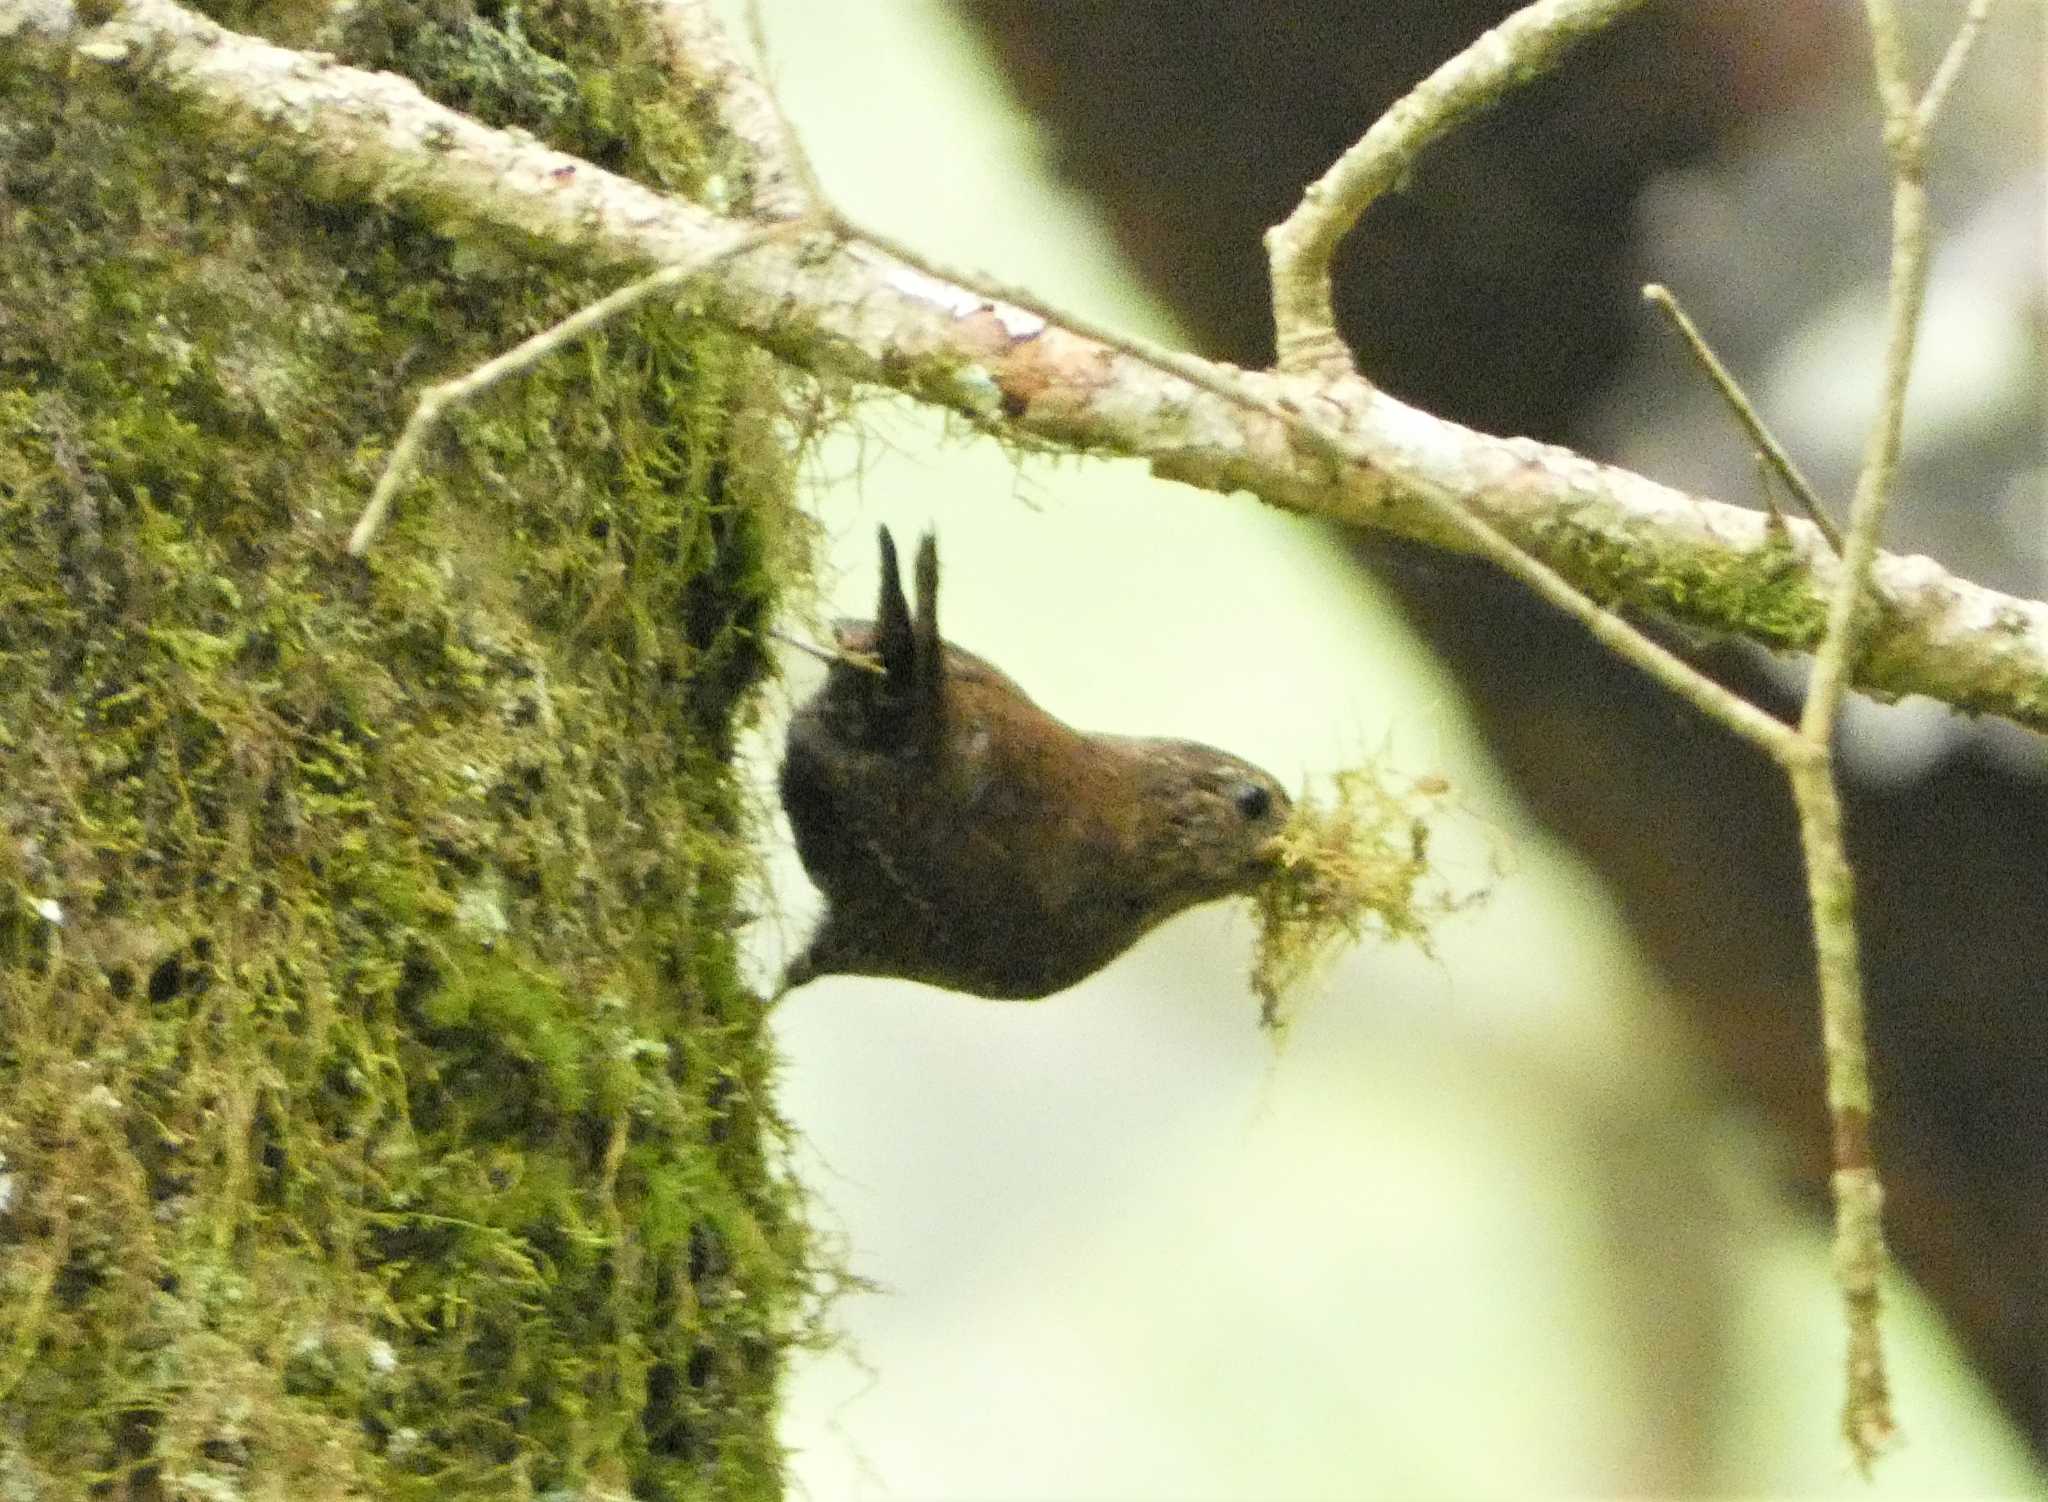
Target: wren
965	838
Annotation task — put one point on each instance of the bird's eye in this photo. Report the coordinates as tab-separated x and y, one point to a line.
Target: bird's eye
1253	801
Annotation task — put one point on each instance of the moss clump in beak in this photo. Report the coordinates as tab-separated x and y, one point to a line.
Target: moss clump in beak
1347	865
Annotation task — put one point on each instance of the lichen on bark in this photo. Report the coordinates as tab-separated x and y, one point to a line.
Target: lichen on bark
381	1110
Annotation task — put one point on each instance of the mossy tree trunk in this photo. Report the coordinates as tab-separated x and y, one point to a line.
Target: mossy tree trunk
382	1113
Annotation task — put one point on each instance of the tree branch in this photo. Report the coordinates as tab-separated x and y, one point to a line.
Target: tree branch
1859	1229
1769	451
1462	526
522	357
1300	247
1628	541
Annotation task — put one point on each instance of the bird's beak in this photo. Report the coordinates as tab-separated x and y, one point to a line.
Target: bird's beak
1272	854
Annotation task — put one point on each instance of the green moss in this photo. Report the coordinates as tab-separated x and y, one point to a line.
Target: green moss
1354	861
587	78
1766	596
382	1111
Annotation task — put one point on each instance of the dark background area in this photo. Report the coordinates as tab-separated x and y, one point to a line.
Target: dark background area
1500	290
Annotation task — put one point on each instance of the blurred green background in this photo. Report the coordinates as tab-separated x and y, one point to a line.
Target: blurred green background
1487	1225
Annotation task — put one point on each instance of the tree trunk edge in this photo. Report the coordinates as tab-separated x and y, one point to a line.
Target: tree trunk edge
383	1112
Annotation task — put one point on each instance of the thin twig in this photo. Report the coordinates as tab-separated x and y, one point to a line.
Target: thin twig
867	662
1299	249
1951	65
1860	1256
1767	445
1875	476
522	357
1767	487
1859	1250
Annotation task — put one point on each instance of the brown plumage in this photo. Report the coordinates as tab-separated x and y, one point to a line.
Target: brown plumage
965	838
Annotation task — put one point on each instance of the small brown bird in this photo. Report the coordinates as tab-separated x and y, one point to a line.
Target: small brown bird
965	838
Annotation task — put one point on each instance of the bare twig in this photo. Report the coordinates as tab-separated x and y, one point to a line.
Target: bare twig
1904	138
1859	1255
1299	249
1767	487
1951	65
522	357
867	662
1859	1232
1768	448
